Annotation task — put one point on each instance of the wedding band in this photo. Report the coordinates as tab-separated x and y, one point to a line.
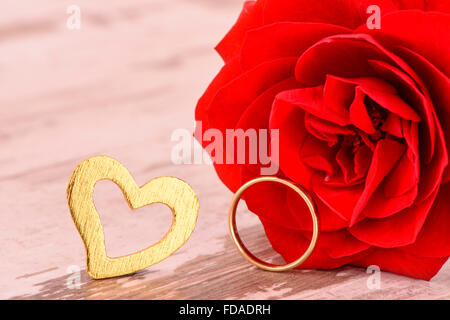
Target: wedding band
241	247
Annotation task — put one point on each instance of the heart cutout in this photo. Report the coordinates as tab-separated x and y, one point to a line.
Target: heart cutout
173	192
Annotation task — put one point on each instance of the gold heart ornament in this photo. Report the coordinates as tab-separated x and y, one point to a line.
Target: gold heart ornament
173	192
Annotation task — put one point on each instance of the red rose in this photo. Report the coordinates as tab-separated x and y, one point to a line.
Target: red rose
364	126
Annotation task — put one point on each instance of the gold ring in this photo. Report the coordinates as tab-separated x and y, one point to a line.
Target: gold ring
241	247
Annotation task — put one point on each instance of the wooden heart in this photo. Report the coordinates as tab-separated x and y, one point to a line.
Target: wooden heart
173	192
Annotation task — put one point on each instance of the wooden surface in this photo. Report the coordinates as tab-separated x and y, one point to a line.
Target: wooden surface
120	86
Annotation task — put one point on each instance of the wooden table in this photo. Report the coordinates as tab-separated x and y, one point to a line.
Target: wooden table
120	86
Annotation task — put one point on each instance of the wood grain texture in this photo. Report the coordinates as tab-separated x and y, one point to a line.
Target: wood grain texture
120	86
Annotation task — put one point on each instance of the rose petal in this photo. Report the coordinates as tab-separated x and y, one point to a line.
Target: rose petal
400	262
344	158
341	55
393	125
433	171
291	244
409	90
311	100
342	200
385	95
319	163
433	240
347	13
288	119
362	159
402	178
313	147
328	220
397	230
340	244
411	135
358	113
257	114
439	86
250	17
325	130
228	72
381	205
268	201
392	102
232	99
419	31
338	94
410	4
284	39
256	117
308	64
386	155
437	5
